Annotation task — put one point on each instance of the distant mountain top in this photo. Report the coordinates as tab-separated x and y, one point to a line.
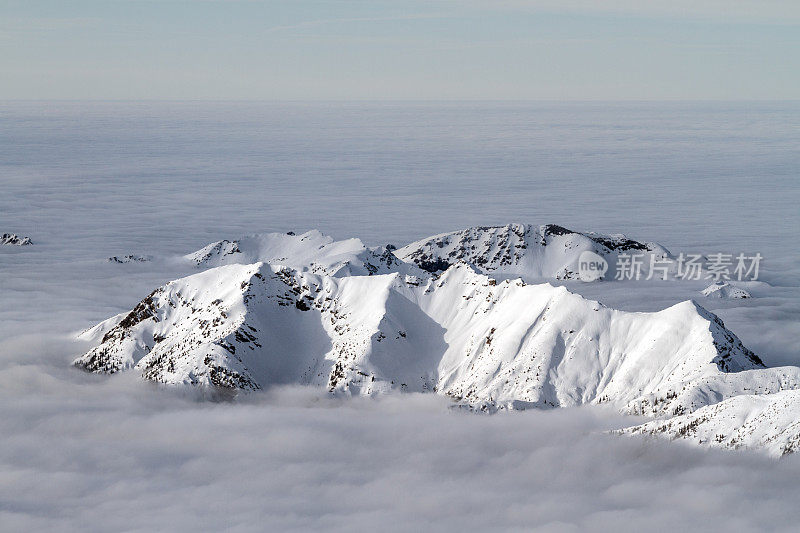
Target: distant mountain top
725	290
311	251
532	252
547	251
131	258
15	240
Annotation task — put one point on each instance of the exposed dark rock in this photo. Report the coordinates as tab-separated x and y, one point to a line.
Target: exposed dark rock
143	310
437	265
621	244
554	229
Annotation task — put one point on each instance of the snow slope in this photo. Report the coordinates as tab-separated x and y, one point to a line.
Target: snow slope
768	422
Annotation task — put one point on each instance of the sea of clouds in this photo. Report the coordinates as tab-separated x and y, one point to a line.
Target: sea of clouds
90	180
103	455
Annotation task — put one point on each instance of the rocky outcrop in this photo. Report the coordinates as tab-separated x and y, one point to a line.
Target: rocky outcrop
132	258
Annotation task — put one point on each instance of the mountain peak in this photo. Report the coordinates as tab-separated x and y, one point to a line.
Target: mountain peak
547	251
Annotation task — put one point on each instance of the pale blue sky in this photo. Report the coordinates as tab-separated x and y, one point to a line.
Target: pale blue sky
523	49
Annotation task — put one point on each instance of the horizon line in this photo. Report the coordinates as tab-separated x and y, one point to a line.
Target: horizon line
412	100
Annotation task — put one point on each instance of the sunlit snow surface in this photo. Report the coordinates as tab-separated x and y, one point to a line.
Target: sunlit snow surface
90	181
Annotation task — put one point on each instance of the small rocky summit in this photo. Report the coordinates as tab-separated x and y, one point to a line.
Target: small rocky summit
15	240
129	259
726	290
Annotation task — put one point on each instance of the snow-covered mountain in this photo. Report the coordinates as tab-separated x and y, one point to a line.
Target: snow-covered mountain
461	334
548	251
305	309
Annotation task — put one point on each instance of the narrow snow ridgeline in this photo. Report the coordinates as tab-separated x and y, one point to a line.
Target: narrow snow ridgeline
305	309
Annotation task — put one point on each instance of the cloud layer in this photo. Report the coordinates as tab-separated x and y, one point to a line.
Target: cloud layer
113	454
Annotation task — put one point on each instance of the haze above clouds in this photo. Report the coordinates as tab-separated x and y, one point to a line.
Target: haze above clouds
400	50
